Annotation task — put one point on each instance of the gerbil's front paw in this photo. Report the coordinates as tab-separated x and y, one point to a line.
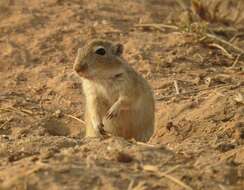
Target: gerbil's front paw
112	112
101	130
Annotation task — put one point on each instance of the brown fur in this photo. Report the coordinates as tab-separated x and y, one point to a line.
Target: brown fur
118	99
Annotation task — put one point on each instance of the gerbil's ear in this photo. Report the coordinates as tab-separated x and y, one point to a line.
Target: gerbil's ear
118	49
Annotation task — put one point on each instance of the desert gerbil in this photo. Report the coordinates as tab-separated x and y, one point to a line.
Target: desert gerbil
118	99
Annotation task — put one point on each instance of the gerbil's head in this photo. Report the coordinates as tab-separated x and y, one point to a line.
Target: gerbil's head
99	59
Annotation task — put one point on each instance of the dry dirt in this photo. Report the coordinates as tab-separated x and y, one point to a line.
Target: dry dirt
199	142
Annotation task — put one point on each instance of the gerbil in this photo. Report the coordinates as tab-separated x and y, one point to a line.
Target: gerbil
118	99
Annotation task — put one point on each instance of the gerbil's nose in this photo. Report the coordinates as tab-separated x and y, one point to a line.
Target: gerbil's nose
80	67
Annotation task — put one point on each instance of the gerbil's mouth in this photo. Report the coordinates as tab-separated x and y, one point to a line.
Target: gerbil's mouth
82	70
81	67
84	75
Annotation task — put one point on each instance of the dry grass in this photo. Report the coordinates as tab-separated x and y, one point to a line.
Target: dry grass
224	12
219	24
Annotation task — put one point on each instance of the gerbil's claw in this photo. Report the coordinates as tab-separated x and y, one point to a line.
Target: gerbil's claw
101	129
111	114
102	134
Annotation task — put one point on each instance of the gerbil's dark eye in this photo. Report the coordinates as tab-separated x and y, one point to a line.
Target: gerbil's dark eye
100	51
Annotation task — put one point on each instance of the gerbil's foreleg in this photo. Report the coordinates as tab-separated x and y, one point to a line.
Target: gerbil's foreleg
96	118
122	104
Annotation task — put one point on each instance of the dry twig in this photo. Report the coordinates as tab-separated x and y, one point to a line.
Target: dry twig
152	168
225	42
158	26
139	186
225	52
21	111
5	123
176	87
149	145
75	118
194	91
236	61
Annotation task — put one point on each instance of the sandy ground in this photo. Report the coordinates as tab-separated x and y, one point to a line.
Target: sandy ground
199	142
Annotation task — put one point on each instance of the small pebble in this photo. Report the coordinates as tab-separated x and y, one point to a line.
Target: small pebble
123	157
